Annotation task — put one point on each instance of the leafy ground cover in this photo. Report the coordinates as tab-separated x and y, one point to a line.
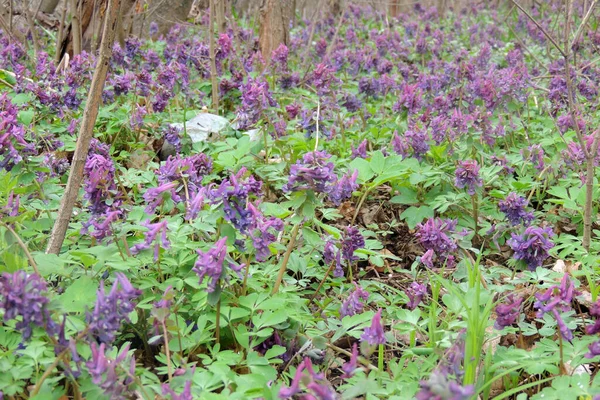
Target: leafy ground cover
405	220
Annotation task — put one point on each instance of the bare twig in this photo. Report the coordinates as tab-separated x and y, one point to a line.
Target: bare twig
540	27
76	27
59	37
23	246
286	258
32	30
583	23
86	130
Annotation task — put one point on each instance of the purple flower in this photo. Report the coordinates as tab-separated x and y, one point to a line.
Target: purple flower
415	292
557	299
467	175
410	99
99	185
279	57
11	209
435	234
25	296
104	372
508	312
313	172
593	350
360	151
172	136
186	394
256	98
210	264
532	245
192	169
534	153
234	193
354	303
152	236
343	250
195	205
262	231
110	311
343	188
374	334
514	209
594	312
317	386
351	365
427	258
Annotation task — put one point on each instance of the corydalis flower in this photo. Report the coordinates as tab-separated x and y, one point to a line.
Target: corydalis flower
354	303
467	175
343	250
111	310
343	188
152	236
156	196
25	296
415	292
316	384
105	374
435	234
313	172
557	299
351	365
210	264
532	245
262	231
508	312
514	209
360	151
374	334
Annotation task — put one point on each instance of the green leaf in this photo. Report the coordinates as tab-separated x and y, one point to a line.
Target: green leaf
406	196
79	295
377	163
26	117
416	215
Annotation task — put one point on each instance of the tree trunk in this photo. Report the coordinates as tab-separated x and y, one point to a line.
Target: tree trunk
220	15
275	17
48	6
165	13
86	131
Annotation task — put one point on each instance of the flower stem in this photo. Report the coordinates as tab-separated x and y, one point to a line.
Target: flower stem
286	258
380	358
218	323
167	352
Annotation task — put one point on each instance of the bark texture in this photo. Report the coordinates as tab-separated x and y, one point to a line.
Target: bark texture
86	131
275	17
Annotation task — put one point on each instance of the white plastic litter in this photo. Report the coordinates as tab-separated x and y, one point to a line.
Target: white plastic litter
202	126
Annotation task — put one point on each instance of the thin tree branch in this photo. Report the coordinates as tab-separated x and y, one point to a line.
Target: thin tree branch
550	38
583	23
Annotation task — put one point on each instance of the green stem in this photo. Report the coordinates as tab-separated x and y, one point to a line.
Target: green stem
380	358
286	258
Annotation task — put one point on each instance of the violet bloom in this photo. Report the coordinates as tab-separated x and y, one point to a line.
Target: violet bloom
594	312
467	175
195	205
360	151
354	303
415	292
155	197
11	209
343	250
105	374
234	193
435	234
172	135
99	185
256	98
313	172
374	334
427	258
557	299
186	394
508	312
210	264
25	296
263	232
351	365
532	245
343	188
192	169
112	310
152	236
316	387
279	57
514	209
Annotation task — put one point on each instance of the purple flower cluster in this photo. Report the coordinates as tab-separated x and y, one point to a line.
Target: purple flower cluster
256	98
262	232
443	383
355	302
514	209
594	348
234	193
508	312
154	229
337	252
316	173
557	299
435	235
467	175
192	169
316	385
415	292
12	134
112	310
532	245
374	334
210	264
23	295
105	372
